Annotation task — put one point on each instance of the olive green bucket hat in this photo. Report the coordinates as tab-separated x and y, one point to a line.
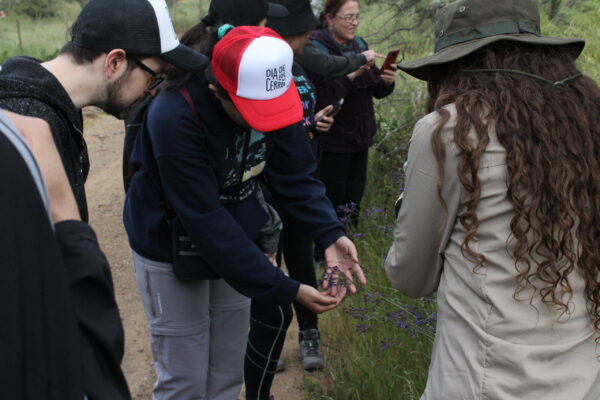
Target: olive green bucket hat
465	26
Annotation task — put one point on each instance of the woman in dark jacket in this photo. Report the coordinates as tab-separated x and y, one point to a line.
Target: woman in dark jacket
345	148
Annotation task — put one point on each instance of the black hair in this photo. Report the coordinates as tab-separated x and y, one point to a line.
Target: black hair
79	54
202	37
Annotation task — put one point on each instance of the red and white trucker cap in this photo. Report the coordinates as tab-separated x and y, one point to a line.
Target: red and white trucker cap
254	65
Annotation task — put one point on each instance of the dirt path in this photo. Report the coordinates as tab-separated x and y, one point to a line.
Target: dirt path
104	136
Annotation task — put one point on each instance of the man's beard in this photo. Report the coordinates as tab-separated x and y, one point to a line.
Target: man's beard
114	105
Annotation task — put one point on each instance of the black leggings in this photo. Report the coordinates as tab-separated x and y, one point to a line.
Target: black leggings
297	251
268	326
345	177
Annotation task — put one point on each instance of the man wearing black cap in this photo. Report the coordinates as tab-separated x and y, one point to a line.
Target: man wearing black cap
65	336
117	54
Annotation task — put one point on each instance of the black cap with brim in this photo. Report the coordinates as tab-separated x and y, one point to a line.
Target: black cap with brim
300	18
422	67
244	12
276	10
185	58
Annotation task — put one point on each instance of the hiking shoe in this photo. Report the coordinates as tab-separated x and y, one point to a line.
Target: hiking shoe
280	365
310	349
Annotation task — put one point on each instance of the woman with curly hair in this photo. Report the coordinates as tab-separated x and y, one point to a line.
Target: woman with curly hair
501	210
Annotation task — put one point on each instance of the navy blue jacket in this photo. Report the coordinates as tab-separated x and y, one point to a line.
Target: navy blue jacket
195	168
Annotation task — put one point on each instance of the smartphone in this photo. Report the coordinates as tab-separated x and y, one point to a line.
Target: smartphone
389	60
336	106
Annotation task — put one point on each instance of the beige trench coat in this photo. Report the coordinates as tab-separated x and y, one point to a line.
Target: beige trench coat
487	345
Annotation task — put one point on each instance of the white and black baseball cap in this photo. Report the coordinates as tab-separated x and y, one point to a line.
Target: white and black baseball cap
140	27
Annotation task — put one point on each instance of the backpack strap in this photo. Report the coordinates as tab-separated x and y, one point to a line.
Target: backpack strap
362	45
188	99
192	106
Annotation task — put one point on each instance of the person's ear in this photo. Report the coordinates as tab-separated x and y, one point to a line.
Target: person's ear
114	61
329	19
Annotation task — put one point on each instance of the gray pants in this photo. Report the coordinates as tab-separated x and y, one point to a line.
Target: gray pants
198	331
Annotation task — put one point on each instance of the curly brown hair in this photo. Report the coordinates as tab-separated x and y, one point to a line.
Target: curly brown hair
552	141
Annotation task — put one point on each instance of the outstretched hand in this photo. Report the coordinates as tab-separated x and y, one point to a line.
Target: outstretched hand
342	257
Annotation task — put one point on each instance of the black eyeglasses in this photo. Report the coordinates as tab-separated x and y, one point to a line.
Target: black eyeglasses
156	79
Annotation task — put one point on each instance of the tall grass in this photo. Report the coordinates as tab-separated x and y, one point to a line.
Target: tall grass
379	343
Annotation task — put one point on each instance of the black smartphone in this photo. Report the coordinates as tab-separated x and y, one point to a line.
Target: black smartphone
389	60
336	106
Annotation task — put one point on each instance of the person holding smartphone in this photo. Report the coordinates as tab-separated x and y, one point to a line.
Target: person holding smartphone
344	149
296	247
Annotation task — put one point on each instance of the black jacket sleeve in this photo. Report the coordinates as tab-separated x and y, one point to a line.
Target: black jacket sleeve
316	62
101	332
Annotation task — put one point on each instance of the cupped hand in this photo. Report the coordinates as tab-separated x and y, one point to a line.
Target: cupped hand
318	302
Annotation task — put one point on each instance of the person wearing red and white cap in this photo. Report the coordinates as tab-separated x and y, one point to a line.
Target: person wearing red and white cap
203	147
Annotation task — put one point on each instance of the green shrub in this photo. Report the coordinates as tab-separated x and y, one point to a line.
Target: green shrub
37	9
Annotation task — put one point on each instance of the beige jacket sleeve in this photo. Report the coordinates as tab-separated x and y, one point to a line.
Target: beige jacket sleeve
415	261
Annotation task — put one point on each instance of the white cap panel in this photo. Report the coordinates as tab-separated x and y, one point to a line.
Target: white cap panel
168	37
265	70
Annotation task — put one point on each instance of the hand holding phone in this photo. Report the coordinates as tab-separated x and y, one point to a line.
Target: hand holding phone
336	106
389	60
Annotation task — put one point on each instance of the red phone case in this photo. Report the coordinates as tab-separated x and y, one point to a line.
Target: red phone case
389	59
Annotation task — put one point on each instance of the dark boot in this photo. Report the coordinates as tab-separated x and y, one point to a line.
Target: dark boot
310	349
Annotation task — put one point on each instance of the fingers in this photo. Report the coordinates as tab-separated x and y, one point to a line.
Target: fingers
322	113
316	301
349	280
388	75
362	279
371	55
324	124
